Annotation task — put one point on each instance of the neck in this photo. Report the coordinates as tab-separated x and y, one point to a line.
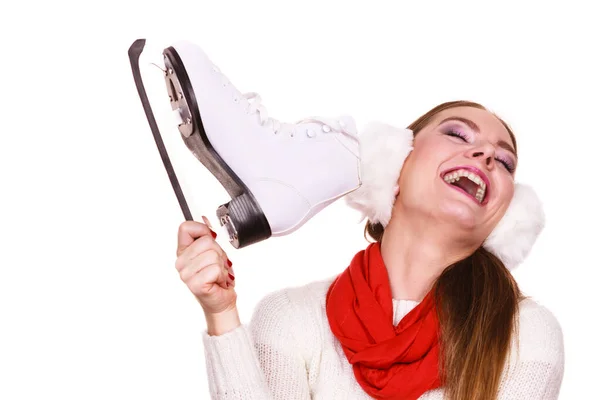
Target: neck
415	253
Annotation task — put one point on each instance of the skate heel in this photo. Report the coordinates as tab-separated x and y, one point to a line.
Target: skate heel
244	222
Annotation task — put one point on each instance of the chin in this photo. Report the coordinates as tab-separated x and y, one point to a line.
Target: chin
461	214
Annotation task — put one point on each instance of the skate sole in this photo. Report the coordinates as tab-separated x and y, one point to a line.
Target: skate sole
242	217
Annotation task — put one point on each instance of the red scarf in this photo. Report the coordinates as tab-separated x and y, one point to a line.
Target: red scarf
389	362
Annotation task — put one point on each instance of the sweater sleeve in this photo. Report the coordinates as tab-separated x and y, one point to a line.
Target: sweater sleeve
536	371
262	361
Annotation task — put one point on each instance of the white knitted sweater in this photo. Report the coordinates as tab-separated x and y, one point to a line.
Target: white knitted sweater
288	352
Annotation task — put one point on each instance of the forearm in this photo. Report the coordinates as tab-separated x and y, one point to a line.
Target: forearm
223	322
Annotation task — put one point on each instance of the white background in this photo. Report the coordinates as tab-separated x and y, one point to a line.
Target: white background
91	305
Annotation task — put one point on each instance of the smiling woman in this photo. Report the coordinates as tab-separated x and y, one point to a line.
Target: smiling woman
477	298
429	310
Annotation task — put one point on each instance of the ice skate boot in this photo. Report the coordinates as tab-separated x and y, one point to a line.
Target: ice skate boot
278	175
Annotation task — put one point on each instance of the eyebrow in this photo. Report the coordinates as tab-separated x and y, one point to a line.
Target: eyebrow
474	127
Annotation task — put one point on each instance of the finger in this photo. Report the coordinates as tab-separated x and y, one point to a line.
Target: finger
207	280
188	232
207	222
231	279
201	261
202	245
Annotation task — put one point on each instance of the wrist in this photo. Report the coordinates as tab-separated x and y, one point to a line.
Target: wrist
222	322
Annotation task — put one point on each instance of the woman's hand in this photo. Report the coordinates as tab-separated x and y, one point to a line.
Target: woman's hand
206	270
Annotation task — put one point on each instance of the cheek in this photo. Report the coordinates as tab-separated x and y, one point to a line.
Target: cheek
416	174
423	164
425	160
507	190
433	151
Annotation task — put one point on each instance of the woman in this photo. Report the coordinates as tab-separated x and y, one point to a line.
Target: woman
427	311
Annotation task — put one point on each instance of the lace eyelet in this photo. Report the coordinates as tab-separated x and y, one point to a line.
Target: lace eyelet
326	128
310	133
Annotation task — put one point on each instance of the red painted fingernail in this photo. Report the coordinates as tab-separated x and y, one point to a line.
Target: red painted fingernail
229	262
213	233
232	277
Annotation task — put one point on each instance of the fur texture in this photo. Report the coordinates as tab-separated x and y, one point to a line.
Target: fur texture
514	236
383	149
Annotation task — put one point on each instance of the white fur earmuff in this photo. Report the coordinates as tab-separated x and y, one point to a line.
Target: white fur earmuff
383	149
514	236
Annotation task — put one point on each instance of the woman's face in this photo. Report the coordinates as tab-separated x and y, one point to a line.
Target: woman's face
461	170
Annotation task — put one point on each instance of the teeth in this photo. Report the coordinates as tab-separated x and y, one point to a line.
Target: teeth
456	175
480	194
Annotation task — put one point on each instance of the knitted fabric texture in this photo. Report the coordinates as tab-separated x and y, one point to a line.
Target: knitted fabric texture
288	351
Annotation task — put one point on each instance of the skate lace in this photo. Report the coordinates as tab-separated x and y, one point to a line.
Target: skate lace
254	100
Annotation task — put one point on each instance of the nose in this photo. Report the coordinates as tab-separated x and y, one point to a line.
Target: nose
485	153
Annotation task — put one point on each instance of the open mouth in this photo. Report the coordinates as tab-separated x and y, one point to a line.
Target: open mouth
470	181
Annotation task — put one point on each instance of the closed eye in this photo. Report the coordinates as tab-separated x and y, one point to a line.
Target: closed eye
457	134
507	164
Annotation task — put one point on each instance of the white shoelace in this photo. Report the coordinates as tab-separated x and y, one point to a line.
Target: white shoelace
255	106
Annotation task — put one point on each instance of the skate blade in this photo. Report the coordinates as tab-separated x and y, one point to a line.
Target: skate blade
135	51
242	217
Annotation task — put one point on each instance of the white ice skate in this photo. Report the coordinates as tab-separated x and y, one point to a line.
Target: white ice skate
279	175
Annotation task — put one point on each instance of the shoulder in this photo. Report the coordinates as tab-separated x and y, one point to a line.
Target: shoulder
540	335
293	313
298	300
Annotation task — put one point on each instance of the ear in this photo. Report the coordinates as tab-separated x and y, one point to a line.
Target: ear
383	149
516	233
